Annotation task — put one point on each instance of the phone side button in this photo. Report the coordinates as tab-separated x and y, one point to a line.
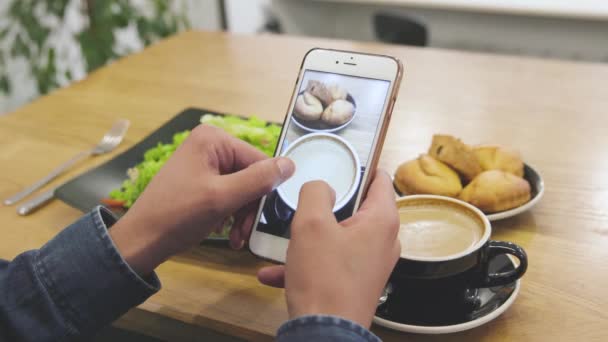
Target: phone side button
392	105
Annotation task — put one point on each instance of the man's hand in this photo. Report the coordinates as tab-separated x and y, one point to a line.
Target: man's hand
210	177
339	268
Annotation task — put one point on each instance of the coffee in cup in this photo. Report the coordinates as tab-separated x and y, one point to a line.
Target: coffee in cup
437	231
445	259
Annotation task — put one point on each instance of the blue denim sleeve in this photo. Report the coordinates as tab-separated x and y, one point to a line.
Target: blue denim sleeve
324	328
74	285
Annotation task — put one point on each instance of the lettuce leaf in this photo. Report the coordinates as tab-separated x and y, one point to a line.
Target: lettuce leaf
255	131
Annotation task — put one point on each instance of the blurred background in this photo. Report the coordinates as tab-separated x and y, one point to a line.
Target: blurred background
46	44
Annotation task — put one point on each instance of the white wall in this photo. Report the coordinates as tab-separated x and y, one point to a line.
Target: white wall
513	34
204	14
245	16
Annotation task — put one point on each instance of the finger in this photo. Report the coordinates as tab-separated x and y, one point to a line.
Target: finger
237	154
235	237
244	154
220	227
377	189
241	229
272	276
379	206
247	225
225	153
250	184
315	205
396	250
380	191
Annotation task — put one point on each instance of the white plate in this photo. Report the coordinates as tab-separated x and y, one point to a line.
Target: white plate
447	329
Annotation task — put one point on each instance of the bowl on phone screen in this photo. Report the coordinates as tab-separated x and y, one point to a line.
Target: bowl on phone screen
326	157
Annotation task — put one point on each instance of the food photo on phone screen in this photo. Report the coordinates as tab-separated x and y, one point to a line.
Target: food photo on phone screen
329	137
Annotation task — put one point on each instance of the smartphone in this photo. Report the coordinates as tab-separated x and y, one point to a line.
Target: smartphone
333	131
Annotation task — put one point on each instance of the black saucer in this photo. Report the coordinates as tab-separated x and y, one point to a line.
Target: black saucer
489	304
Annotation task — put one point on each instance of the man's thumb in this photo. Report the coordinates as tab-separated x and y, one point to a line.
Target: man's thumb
255	181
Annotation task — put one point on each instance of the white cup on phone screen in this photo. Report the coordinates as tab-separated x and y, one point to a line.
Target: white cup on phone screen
326	157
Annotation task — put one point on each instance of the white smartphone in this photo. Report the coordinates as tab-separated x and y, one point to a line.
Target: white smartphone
333	131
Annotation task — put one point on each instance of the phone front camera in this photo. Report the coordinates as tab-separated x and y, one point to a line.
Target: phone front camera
336	62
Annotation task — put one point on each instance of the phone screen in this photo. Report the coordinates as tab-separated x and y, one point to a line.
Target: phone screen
330	137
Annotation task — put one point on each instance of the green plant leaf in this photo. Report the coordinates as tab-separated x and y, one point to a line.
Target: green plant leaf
57	7
18	7
37	33
20	48
97	40
185	21
125	14
5	84
4	32
144	30
46	75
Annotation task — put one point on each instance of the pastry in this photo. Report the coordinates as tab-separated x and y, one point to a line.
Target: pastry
427	175
496	190
456	154
337	92
338	112
320	91
499	158
308	107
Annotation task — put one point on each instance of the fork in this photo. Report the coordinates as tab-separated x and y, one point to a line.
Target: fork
109	141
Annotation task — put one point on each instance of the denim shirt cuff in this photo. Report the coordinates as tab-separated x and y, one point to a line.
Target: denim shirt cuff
86	277
324	328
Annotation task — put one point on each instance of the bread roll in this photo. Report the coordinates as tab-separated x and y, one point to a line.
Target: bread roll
426	175
308	107
337	92
499	158
456	154
495	190
338	113
320	91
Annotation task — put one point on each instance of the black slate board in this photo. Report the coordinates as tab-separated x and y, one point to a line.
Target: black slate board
85	191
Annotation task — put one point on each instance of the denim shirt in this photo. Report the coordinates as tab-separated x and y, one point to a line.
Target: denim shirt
78	283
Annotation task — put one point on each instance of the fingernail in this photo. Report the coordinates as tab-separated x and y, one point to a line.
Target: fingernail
237	245
286	167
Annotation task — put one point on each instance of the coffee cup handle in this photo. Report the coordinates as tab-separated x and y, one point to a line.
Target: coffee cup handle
496	248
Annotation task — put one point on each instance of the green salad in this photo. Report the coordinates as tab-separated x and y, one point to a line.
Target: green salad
257	132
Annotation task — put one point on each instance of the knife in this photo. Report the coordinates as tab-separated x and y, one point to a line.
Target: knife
37	202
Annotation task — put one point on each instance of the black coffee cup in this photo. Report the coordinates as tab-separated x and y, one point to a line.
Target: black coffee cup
428	289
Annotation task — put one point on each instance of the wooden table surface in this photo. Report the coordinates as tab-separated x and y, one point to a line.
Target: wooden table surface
554	112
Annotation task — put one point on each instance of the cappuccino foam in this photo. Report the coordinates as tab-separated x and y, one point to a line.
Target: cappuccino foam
436	231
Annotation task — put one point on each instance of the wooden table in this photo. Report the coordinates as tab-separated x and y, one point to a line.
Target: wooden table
554	112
